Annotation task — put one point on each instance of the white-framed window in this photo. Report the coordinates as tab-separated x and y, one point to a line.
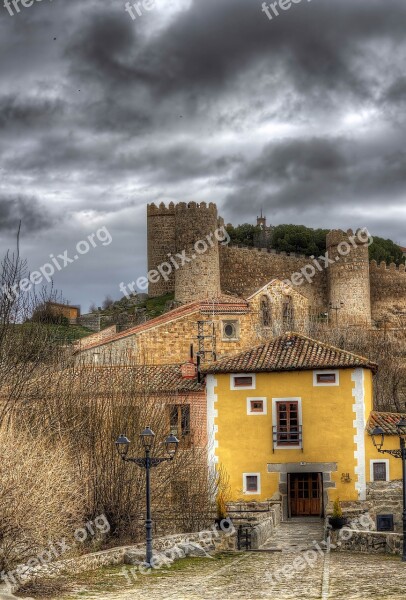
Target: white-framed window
256	406
287	423
379	469
242	381
230	331
96	358
326	378
251	483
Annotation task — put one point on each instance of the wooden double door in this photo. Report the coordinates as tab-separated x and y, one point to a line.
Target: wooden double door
305	494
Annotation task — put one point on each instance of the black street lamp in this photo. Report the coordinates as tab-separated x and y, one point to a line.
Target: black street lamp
378	438
147	438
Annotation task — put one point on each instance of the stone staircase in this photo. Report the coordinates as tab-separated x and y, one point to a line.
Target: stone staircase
296	535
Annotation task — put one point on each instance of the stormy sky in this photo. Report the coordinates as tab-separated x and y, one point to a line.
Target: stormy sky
303	115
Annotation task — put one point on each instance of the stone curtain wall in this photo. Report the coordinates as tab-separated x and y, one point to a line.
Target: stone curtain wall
161	242
245	270
388	292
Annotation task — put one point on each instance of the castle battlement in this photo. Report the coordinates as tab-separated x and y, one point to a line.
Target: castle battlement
185	206
158	211
384	267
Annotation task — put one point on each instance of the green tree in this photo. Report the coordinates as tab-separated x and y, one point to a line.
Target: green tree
385	250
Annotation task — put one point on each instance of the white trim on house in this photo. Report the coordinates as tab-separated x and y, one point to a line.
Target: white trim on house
242	387
378	460
262	412
359	424
244	482
275	421
212	414
326	372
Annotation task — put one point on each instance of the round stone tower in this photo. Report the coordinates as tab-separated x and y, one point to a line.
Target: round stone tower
199	275
348	282
161	243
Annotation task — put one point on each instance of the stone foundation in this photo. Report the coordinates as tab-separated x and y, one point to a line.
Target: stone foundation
260	518
367	542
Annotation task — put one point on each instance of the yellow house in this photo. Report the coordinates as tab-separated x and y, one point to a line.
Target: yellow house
290	416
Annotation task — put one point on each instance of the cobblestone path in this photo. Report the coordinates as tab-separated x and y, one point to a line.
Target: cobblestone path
257	576
296	536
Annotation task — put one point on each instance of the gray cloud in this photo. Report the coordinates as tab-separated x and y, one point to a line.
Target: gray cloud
303	115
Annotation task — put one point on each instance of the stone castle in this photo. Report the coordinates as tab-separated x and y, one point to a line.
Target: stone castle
351	290
229	298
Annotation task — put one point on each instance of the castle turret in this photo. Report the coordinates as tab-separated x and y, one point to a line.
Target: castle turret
199	276
161	243
348	277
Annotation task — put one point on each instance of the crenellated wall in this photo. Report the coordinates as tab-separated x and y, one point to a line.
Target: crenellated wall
388	292
245	270
363	293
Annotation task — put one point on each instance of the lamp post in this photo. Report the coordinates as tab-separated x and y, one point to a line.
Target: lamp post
378	438
147	437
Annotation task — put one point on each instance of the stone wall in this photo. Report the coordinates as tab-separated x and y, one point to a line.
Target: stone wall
369	542
91	321
96	337
245	270
260	518
388	293
382	498
348	277
161	242
212	540
199	277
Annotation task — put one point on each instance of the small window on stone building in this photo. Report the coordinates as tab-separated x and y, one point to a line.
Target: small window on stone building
230	330
96	358
266	312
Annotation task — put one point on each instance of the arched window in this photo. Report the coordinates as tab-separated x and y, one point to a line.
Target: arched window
266	312
288	315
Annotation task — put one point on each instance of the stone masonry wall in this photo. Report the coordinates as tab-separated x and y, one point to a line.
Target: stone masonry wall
199	277
388	293
245	270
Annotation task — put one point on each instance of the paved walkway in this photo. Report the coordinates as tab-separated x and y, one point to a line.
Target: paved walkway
296	536
302	570
256	576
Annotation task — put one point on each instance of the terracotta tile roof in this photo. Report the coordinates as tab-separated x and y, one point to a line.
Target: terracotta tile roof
176	313
152	379
221	305
386	420
290	352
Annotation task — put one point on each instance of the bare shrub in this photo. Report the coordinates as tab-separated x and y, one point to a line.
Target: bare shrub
40	498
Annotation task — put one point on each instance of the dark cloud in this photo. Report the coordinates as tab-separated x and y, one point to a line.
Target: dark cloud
33	216
303	115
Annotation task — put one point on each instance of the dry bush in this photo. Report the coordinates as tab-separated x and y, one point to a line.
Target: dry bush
40	498
87	408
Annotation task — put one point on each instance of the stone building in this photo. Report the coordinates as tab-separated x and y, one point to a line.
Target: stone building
216	327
